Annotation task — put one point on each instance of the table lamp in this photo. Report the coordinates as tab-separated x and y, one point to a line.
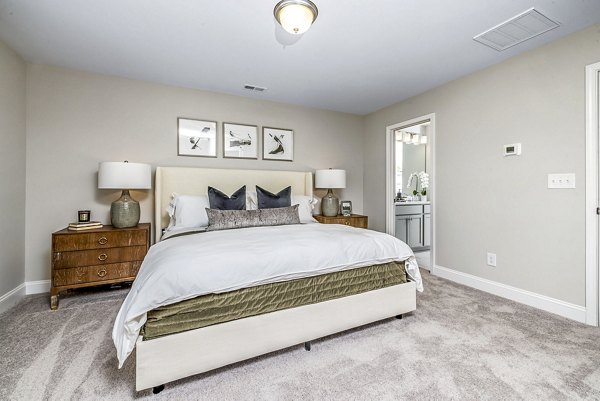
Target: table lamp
330	179
125	211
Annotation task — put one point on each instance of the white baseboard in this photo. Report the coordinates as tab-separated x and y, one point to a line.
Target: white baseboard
11	298
552	305
37	287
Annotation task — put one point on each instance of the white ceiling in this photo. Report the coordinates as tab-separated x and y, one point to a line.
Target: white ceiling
358	57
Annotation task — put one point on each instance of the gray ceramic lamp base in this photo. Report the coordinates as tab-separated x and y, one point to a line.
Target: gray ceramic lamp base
125	211
330	204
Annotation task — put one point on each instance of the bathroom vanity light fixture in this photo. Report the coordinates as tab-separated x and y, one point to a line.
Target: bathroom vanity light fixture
413	139
296	16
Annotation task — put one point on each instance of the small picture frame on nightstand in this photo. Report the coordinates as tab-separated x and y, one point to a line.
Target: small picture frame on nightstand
346	208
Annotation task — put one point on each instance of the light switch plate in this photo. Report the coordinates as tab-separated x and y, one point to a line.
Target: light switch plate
561	181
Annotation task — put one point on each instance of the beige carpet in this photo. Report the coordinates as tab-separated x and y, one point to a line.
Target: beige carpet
460	344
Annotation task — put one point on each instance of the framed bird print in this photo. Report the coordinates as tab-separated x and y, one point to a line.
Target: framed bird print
196	138
278	144
240	141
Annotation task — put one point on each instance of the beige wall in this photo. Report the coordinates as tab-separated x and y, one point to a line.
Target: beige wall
77	119
486	202
12	169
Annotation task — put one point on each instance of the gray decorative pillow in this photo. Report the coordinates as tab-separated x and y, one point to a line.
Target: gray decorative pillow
219	200
227	219
268	200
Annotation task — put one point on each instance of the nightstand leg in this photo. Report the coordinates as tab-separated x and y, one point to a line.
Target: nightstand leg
53	299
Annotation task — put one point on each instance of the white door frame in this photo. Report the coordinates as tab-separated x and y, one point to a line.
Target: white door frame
592	81
390	168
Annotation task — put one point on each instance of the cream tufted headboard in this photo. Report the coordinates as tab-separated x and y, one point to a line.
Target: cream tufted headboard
195	181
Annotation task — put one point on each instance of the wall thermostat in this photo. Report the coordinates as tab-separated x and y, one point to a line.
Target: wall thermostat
514	149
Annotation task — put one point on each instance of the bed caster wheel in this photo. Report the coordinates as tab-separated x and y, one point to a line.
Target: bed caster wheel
307	345
158	389
398	316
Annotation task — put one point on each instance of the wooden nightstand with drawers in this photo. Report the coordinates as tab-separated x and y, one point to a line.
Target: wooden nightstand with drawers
354	220
106	255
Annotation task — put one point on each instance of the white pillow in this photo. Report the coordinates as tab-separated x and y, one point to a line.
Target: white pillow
187	211
251	200
306	205
170	209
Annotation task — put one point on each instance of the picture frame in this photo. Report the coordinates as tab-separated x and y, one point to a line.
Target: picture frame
346	208
196	137
240	141
278	144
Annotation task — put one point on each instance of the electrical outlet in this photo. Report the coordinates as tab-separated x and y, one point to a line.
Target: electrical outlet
491	259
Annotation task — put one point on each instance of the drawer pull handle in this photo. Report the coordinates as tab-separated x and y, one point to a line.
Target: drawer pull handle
102	257
102	273
103	241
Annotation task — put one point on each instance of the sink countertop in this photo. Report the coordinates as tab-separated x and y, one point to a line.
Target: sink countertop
412	203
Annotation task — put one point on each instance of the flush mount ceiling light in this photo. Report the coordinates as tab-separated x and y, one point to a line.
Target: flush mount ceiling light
296	16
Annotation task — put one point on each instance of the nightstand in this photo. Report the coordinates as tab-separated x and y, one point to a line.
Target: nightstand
106	255
354	220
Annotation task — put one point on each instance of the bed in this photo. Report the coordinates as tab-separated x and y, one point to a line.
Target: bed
180	273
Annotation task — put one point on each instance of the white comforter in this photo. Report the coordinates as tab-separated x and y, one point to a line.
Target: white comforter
211	262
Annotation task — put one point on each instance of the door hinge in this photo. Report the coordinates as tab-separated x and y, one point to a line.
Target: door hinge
598	210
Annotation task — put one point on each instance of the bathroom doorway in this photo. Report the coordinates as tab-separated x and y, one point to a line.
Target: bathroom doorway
409	179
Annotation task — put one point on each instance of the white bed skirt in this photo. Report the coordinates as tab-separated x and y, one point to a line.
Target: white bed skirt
176	356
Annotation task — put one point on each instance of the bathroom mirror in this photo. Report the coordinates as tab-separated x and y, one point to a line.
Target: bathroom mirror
411	155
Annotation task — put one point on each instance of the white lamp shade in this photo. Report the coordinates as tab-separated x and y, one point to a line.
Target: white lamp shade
296	16
330	178
124	175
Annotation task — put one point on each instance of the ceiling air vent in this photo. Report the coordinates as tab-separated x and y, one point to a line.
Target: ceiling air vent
254	88
520	28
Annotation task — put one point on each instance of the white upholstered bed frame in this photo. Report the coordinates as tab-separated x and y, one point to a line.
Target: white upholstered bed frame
176	356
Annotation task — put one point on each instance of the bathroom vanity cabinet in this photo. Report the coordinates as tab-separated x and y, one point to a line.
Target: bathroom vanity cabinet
413	224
